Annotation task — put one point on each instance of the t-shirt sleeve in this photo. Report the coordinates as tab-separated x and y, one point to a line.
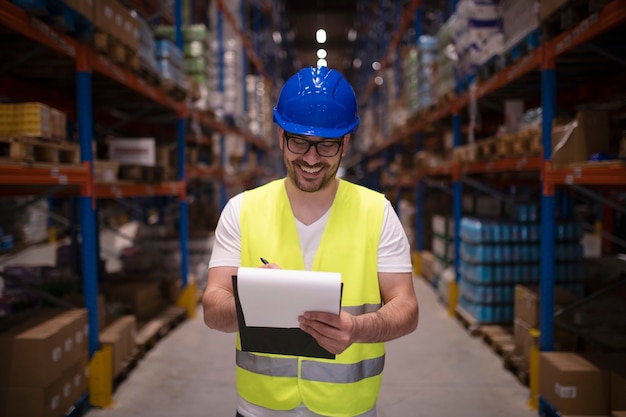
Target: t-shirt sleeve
394	250
227	246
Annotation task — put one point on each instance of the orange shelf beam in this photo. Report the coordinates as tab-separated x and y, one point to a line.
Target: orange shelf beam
204	172
612	15
525	163
105	67
438	171
21	22
123	190
44	175
226	130
600	173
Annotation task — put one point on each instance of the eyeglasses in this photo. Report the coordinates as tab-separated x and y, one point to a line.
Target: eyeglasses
325	148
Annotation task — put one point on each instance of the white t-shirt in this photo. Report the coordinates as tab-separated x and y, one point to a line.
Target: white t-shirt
394	255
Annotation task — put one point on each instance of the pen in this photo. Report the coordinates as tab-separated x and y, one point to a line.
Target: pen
264	261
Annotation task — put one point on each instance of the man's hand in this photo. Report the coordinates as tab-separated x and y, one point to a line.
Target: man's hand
333	332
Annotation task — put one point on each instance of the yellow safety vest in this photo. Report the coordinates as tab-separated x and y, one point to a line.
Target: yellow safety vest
349	384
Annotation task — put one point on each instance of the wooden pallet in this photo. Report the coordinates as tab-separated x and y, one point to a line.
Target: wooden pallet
174	90
141	173
157	328
31	150
518	366
467	321
498	338
128	365
465	153
116	51
486	149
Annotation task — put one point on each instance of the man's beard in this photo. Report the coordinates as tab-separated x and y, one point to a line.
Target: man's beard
307	186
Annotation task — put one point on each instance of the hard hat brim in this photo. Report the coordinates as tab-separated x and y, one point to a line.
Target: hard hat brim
322	132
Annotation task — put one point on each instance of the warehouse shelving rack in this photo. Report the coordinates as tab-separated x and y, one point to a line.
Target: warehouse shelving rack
77	68
541	69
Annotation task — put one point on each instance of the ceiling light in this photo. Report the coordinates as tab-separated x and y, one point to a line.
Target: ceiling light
320	36
321	53
356	63
276	36
352	35
376	65
378	80
322	63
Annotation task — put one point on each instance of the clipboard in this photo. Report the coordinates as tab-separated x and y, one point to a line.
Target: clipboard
283	341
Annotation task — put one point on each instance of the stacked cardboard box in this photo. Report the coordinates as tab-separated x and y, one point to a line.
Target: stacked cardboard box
120	337
584	384
43	364
32	120
113	19
526	310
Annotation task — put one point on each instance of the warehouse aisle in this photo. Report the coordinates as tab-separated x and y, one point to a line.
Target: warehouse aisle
439	370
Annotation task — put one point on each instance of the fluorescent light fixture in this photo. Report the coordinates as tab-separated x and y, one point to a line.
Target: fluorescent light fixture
322	63
321	53
320	36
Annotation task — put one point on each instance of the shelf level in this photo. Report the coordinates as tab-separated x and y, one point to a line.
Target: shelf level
40	174
599	173
125	190
524	163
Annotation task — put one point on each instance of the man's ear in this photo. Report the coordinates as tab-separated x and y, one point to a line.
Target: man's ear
280	132
346	140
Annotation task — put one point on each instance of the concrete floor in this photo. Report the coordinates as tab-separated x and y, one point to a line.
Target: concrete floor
438	371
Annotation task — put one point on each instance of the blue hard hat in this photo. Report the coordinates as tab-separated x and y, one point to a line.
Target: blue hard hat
317	102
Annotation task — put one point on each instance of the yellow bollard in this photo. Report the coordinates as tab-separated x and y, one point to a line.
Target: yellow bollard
101	378
453	295
188	300
416	257
533	383
52	234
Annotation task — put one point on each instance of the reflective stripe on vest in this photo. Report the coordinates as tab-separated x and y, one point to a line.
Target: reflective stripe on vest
349	384
311	370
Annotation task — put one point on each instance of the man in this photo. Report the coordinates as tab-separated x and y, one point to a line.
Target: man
311	220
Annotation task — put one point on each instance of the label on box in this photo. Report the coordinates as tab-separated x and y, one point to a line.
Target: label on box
69	343
565	391
56	354
55	402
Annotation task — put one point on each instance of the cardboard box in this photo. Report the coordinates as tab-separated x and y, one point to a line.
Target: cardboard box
142	299
572	384
527	303
578	140
84	7
133	151
562	339
548	7
33	401
35	353
120	336
615	364
52	400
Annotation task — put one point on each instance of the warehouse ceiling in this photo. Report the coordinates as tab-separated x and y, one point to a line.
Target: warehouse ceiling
337	17
358	32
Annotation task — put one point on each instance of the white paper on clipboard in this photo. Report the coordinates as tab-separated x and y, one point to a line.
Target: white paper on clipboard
276	297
